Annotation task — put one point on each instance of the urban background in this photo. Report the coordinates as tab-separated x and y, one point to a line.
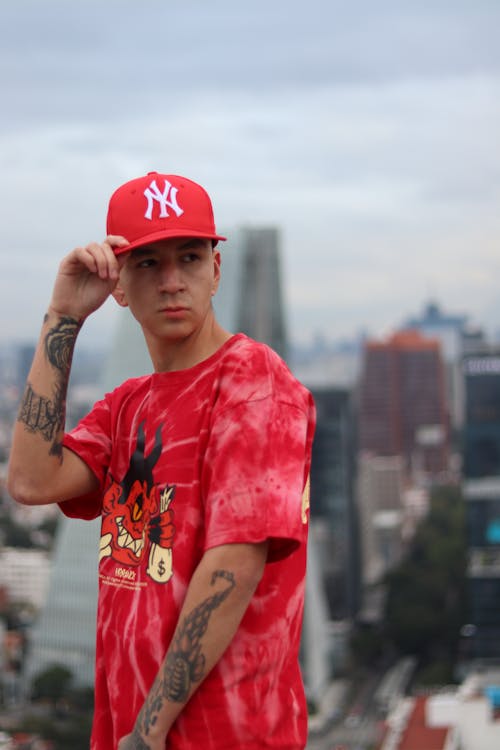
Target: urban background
401	638
351	150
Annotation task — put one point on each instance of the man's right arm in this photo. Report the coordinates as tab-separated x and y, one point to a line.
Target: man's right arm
41	470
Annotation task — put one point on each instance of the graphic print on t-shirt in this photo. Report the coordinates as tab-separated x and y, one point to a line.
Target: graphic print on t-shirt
137	519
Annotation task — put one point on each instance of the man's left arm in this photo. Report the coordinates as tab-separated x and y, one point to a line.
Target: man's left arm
216	600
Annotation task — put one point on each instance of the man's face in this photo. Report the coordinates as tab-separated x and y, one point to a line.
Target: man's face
169	285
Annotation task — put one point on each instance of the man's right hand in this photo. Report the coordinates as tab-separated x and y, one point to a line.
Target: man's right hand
86	278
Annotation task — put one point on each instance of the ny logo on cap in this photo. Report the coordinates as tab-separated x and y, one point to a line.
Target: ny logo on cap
166	199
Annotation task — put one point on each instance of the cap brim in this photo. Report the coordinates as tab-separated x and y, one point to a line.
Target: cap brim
166	235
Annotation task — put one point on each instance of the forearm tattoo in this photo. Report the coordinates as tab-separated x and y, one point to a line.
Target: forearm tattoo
46	416
185	661
38	413
59	344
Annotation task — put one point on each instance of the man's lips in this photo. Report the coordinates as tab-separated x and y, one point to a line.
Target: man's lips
174	311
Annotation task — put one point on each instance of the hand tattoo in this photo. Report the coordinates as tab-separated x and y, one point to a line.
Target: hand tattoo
43	415
185	662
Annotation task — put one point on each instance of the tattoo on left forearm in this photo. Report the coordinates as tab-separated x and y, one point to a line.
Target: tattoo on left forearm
185	661
37	413
46	416
59	344
43	416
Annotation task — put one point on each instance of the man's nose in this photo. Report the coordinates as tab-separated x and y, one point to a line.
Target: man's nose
170	278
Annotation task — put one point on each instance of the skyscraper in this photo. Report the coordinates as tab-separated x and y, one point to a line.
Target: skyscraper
402	405
332	499
454	333
65	631
449	329
250	296
380	505
482	499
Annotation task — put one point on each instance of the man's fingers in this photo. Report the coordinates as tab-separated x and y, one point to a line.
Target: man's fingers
106	266
116	240
98	259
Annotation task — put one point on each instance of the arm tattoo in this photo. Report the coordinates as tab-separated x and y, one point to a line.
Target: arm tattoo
43	415
38	413
185	662
59	344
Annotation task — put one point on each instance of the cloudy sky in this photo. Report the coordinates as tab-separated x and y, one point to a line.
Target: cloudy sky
367	130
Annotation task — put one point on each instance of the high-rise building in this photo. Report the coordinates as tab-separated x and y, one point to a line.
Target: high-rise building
447	328
24	574
24	359
402	402
457	336
332	500
65	631
481	445
250	296
317	650
380	503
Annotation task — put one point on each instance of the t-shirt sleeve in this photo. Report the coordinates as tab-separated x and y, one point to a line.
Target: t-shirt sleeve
255	476
91	441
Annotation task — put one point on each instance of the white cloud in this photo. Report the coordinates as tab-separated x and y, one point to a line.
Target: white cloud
373	144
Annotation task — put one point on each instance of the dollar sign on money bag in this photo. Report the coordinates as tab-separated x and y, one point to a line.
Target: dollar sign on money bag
160	563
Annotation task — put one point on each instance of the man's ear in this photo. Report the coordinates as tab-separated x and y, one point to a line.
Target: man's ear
217	262
119	295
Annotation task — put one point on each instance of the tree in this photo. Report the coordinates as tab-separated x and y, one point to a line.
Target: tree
425	595
15	535
53	683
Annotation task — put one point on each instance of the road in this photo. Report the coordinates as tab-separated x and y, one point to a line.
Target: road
359	728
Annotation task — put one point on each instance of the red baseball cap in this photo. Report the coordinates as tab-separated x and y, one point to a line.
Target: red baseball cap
158	206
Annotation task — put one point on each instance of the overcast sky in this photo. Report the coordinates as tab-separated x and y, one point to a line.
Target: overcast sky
367	130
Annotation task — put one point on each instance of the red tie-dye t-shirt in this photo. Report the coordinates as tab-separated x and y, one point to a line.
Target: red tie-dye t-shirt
189	460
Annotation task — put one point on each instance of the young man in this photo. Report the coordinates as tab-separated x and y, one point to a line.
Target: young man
200	474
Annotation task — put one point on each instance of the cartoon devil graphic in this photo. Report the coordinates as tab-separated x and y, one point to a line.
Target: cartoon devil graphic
137	519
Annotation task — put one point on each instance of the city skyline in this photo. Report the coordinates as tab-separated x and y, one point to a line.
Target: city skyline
366	132
352	341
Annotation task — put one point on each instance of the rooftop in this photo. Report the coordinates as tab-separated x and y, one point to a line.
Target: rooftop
411	732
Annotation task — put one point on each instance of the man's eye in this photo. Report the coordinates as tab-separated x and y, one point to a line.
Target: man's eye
146	263
190	257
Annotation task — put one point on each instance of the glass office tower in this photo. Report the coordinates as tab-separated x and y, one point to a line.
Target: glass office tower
332	499
65	631
482	496
250	296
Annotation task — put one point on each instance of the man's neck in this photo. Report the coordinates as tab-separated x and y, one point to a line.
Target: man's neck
180	355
